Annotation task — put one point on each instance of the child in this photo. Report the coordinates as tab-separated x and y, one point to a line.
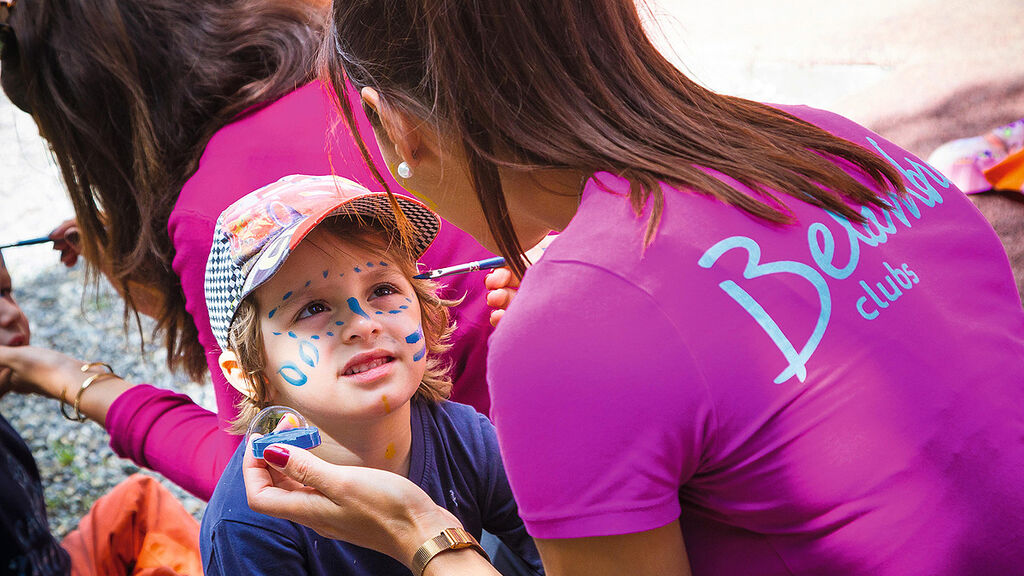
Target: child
310	291
137	528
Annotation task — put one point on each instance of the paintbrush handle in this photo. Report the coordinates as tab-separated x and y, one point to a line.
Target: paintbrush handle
488	264
30	241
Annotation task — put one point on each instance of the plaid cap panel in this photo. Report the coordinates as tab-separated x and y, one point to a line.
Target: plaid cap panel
223	286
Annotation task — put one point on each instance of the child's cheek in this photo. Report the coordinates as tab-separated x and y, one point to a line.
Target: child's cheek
293	372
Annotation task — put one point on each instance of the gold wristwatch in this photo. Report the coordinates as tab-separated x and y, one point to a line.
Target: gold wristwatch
448	539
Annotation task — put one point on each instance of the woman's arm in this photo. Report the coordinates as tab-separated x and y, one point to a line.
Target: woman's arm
155	428
658	552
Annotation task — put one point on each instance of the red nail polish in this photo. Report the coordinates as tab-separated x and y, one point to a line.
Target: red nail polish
276	455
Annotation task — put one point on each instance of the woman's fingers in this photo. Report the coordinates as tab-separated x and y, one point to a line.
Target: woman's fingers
67	240
501	278
502	287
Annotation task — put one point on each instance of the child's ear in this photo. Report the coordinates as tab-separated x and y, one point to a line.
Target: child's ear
233	372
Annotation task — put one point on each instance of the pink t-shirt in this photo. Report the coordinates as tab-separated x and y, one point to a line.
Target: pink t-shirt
293	135
817	398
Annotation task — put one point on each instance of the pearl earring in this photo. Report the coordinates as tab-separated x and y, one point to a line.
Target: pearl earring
404	171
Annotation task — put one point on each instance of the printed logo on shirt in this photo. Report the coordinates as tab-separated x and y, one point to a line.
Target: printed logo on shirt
821	244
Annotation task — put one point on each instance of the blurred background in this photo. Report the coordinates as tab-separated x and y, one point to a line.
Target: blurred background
919	72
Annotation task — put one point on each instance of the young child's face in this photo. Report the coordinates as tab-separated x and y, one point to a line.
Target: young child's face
13	323
341	329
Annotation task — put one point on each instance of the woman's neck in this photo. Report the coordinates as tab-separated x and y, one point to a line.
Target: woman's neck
542	200
384	443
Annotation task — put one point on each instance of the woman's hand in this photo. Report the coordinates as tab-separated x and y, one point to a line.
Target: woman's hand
66	240
368	507
32	370
502	285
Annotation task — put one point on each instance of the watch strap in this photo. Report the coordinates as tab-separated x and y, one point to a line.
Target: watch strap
448	539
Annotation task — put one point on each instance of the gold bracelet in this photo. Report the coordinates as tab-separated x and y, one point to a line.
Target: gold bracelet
448	539
79	417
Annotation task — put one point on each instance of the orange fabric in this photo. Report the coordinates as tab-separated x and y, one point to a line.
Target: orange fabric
1008	174
137	529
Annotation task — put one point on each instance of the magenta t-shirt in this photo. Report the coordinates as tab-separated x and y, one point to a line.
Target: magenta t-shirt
817	398
301	133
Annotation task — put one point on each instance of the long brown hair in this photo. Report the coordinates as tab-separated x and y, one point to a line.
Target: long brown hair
579	85
128	93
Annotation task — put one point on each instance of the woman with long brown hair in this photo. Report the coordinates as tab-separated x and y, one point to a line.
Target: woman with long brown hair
766	341
160	114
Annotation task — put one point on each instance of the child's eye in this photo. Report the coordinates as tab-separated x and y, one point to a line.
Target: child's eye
312	309
385	289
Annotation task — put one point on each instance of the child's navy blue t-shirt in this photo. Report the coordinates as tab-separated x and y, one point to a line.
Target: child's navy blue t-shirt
454	459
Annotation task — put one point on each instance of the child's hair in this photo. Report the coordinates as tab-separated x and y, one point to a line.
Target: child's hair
246	339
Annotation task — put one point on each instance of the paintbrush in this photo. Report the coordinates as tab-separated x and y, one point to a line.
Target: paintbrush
29	242
488	264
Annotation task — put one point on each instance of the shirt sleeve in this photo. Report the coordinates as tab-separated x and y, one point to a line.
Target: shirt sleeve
243	548
601	412
165	431
500	513
168	432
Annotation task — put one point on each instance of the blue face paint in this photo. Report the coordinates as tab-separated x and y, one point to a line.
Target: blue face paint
292	334
419	355
357	270
354	306
309	354
308	282
292	375
408	300
369	264
330	333
271	314
325	273
415	336
339	322
287	295
383	263
379	312
394	311
277	333
403	307
315	337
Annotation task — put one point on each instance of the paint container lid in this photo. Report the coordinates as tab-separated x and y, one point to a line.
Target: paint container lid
280	425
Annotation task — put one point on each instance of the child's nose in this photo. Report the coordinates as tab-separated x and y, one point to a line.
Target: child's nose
9	313
360	324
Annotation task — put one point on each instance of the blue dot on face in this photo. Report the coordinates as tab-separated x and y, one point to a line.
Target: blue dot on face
272	312
287	295
408	300
357	270
379	312
277	333
308	282
292	334
325	273
315	337
403	307
330	333
383	263
338	323
369	264
394	311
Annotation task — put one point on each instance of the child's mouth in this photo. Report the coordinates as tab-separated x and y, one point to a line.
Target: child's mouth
366	366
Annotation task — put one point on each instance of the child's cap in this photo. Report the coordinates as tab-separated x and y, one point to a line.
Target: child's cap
255	235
